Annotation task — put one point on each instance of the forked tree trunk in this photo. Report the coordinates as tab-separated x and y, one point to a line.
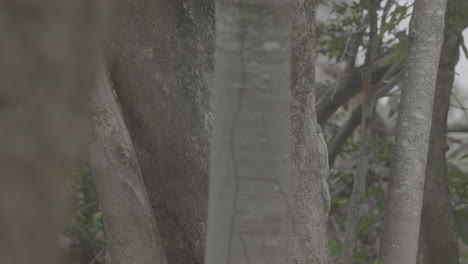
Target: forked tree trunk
48	52
161	65
131	232
250	161
399	243
309	197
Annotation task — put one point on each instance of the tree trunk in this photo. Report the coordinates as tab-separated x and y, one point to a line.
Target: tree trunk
161	65
399	243
250	161
440	243
309	208
365	138
48	52
131	232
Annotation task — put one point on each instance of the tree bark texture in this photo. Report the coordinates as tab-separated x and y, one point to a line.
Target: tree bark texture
250	161
162	65
309	196
399	243
48	52
439	241
131	232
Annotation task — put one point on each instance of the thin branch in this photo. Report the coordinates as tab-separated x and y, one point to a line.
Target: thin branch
458	128
385	84
463	46
343	134
462	107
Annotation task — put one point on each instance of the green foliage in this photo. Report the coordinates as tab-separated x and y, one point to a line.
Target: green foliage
359	255
456	19
394	19
339	201
348	22
385	151
335	35
400	49
464	259
365	224
458	184
395	41
86	221
335	248
378	193
461	224
464	157
419	258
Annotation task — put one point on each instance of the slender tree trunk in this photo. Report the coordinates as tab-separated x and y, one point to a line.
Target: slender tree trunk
250	161
399	244
365	140
161	65
440	243
309	197
48	51
131	232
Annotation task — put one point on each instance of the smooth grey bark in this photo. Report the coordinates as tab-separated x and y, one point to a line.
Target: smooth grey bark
161	64
309	195
131	232
439	240
48	52
248	215
399	242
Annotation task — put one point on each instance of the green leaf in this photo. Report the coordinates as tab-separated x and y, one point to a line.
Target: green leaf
365	224
461	224
455	171
335	247
464	157
340	201
379	195
458	182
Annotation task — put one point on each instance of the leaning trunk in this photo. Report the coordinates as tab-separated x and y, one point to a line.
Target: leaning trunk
248	213
131	232
161	65
439	241
309	197
399	243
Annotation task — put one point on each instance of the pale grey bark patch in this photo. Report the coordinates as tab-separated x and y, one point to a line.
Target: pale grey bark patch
324	171
250	161
131	232
399	243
